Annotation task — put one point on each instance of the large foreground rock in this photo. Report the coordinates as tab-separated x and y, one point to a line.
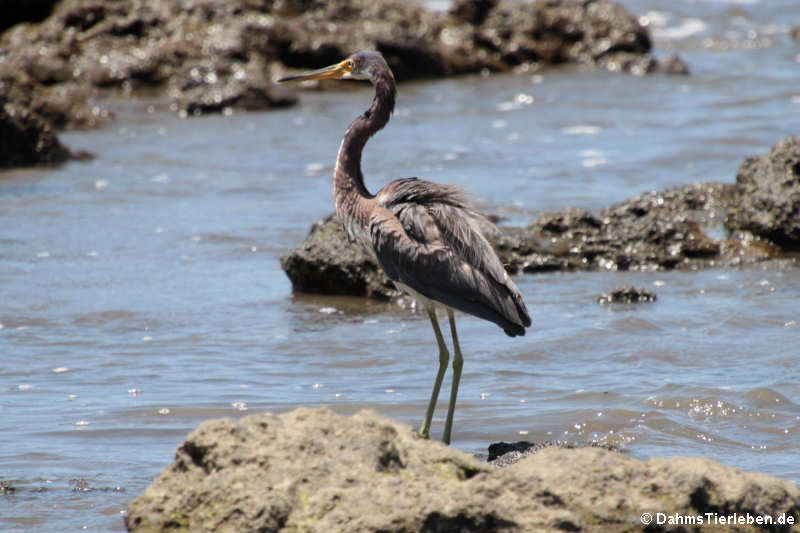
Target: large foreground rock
697	226
311	470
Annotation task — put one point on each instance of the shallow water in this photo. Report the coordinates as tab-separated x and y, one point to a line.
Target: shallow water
142	292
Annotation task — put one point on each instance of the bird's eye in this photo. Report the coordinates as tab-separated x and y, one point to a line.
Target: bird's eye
351	64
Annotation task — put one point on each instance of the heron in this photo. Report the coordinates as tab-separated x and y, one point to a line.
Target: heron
426	236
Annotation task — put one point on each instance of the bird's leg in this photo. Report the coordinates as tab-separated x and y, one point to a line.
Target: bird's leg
458	363
444	357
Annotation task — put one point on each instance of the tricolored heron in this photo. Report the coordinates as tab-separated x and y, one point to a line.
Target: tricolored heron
425	235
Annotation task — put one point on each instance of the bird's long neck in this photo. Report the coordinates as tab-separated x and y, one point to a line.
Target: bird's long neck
349	192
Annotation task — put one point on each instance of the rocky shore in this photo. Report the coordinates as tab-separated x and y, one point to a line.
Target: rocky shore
59	59
705	225
312	470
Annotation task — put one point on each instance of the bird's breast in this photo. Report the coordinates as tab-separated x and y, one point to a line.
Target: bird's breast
422	301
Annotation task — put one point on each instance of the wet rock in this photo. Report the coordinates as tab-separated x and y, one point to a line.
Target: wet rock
27	139
312	470
503	454
501	449
627	295
328	263
768	188
653	231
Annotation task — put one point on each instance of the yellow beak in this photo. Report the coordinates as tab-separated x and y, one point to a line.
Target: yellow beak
336	71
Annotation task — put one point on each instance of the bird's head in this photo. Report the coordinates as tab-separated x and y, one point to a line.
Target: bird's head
359	66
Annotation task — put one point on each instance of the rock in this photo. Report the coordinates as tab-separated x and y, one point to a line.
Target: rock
768	188
674	64
211	55
249	90
27	139
653	231
498	450
406	33
503	454
328	263
61	105
315	471
627	295
497	35
575	31
206	54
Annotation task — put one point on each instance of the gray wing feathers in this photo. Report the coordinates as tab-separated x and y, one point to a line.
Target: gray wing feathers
427	237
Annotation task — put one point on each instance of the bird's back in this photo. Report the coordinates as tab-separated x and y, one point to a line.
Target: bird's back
426	236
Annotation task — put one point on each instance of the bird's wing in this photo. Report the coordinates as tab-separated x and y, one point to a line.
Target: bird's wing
426	237
459	225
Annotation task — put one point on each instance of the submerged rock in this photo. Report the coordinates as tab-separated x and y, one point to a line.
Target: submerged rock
627	295
316	471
